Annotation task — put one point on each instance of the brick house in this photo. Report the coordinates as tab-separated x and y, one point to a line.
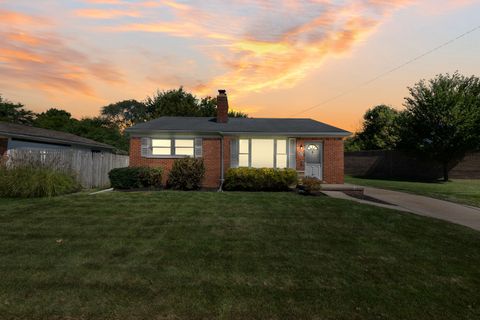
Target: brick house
312	148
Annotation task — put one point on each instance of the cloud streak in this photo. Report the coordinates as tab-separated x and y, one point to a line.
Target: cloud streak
105	13
33	55
271	44
242	45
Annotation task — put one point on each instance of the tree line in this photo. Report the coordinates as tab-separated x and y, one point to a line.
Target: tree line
109	127
441	121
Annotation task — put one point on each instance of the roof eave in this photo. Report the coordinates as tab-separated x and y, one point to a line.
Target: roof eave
292	134
238	133
55	140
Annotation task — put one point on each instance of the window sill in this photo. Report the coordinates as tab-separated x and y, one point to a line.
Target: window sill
167	157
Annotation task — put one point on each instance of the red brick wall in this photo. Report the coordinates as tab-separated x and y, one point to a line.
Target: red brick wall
211	158
332	158
3	147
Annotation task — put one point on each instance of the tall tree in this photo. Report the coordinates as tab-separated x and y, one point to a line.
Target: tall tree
442	120
101	130
180	103
15	112
172	103
237	114
125	113
379	132
55	119
208	108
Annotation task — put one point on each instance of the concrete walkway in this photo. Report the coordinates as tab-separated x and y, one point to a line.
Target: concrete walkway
426	206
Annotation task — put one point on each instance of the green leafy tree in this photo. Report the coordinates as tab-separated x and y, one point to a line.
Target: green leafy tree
379	132
172	103
101	130
208	108
55	119
125	113
442	120
237	114
353	143
180	103
15	112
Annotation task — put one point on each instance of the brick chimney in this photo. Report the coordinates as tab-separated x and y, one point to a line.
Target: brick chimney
222	106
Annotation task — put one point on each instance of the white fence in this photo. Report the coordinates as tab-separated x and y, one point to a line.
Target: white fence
90	168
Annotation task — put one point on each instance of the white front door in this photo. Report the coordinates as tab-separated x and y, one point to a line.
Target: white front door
313	160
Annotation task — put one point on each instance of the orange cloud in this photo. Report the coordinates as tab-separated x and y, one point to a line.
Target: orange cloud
282	60
116	2
16	18
266	48
42	59
22	37
105	13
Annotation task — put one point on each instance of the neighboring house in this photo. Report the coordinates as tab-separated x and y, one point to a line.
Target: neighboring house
312	148
20	137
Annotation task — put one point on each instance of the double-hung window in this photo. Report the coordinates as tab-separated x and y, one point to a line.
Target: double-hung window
244	153
184	147
173	147
281	154
262	153
161	147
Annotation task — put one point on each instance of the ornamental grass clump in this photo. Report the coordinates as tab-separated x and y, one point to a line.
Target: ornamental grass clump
34	182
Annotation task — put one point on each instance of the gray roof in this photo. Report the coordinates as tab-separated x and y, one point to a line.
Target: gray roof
48	136
254	126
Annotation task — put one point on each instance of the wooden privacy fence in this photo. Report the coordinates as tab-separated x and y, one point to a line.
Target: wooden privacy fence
90	168
391	164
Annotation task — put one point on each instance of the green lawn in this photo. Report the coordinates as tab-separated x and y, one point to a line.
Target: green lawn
199	255
461	191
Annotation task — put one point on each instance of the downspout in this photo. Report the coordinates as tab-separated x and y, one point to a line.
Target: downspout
221	164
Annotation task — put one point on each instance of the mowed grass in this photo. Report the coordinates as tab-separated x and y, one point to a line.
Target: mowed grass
199	255
461	191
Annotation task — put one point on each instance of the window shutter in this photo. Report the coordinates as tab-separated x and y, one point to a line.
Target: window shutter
292	153
146	147
234	153
198	147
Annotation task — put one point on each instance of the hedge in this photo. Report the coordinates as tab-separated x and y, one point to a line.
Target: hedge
135	178
264	179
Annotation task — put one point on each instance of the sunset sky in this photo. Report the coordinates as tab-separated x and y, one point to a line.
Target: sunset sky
274	58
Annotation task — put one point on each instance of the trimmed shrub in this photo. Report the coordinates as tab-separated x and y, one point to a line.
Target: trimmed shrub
135	178
30	182
310	184
264	179
186	174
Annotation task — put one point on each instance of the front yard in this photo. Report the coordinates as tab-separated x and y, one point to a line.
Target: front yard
199	255
461	190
